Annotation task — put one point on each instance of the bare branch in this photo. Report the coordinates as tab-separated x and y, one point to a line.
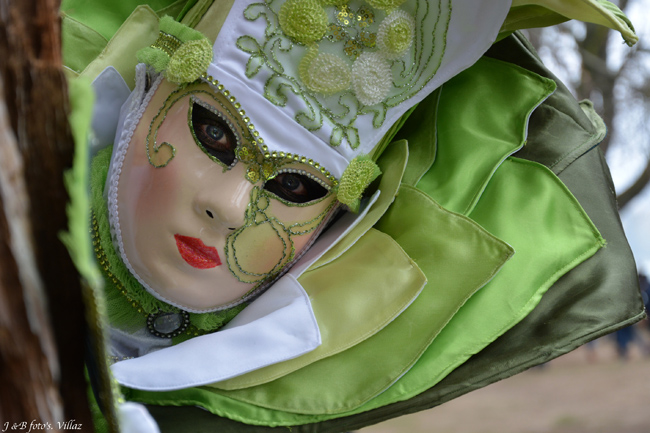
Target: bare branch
635	189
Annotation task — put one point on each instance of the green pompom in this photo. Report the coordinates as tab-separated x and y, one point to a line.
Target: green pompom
183	53
355	179
395	34
189	61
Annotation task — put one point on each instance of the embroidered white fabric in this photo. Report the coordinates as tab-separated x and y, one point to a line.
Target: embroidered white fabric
473	27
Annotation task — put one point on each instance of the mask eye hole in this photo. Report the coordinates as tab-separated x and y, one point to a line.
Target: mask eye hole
295	187
214	134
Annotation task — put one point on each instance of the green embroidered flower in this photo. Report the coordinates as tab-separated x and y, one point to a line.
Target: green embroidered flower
371	78
324	73
386	5
395	34
354	181
189	61
303	20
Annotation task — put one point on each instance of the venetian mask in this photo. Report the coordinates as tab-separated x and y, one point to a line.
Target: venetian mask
205	218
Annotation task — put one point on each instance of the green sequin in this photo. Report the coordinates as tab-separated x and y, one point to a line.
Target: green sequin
396	34
167	43
333	2
324	73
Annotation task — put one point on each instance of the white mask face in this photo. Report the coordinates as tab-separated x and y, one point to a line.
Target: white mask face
205	218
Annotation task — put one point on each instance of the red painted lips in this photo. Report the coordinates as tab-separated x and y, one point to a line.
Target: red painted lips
196	253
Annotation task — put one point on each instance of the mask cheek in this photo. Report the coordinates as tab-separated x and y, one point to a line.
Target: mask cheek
258	251
158	191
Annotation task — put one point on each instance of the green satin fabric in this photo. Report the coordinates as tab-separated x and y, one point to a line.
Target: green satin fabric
86	27
85	43
526	14
421	157
392	165
564	319
342	383
138	31
461	171
345	381
105	33
106	16
565	316
576	309
334	384
595	298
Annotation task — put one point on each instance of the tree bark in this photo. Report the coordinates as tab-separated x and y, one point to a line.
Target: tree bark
42	332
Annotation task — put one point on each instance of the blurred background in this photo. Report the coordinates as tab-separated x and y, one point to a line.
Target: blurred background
603	387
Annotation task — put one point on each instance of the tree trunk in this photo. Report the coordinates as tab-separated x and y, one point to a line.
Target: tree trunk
41	310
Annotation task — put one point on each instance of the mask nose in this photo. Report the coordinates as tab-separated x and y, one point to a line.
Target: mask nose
224	204
229	221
